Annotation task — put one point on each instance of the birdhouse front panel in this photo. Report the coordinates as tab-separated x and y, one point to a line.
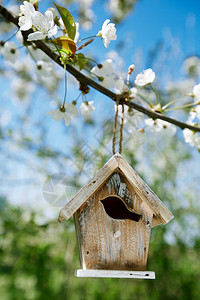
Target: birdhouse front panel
113	227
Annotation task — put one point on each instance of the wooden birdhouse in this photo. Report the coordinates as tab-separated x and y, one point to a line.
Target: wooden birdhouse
113	216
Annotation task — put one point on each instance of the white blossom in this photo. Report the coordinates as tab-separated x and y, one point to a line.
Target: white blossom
196	93
145	78
46	75
27	11
71	108
44	24
86	109
133	92
10	52
54	12
191	117
24	66
192	138
61	24
120	87
60	114
76	38
22	89
44	70
108	32
105	73
160	126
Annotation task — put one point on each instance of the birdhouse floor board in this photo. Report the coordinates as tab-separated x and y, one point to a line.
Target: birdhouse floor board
115	274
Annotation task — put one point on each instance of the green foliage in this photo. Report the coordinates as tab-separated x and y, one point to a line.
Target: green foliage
38	262
68	20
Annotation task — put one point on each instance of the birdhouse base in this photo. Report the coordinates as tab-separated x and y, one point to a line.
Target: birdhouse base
115	274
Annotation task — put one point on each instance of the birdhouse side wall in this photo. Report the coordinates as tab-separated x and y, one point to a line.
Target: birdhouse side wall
109	243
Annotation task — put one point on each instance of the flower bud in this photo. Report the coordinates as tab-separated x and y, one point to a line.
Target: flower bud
131	69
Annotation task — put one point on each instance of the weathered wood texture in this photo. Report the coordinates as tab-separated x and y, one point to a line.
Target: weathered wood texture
147	195
114	244
161	214
87	190
115	274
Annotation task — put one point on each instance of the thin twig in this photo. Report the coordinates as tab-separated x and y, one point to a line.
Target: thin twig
86	80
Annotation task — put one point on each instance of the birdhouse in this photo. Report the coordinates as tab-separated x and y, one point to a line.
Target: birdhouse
113	216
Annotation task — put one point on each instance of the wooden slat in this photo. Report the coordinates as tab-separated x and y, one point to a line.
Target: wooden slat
115	274
88	190
108	243
144	191
161	212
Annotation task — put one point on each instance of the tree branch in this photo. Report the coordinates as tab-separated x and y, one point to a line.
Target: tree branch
86	80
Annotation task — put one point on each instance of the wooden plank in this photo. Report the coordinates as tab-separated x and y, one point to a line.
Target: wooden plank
115	274
108	243
78	237
144	191
88	190
161	213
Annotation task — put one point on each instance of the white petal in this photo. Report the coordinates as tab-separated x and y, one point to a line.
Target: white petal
49	18
54	11
38	35
67	119
25	23
52	31
71	108
105	24
39	21
56	114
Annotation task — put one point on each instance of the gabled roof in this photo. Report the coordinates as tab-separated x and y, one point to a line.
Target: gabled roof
117	163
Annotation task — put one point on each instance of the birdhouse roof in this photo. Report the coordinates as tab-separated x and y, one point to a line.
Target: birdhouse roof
161	214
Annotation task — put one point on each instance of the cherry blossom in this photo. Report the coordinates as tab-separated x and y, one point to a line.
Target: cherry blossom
44	70
192	138
86	109
10	52
108	32
76	38
133	92
120	87
160	125
71	108
196	93
105	72
60	114
54	12
27	11
145	78
44	24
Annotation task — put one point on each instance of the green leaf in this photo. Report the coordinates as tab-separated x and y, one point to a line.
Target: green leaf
68	20
81	60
